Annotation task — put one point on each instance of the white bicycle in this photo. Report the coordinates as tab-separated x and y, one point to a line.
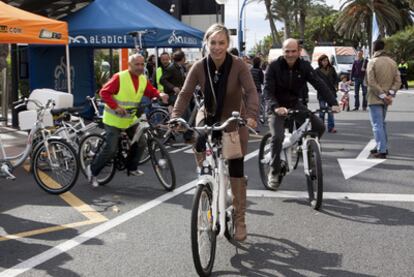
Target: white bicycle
212	210
300	142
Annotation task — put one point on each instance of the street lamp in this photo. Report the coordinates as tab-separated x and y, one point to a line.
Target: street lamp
240	37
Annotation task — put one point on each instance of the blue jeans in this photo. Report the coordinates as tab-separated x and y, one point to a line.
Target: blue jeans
110	149
360	83
331	121
377	116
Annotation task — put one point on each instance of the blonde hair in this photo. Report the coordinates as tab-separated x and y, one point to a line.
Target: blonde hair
216	28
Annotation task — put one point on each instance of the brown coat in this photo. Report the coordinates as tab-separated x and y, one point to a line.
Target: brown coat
382	76
241	94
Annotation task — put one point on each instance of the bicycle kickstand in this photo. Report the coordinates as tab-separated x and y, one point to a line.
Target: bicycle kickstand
5	169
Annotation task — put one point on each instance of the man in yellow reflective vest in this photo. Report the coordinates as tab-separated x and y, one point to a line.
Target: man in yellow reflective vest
122	92
165	62
403	68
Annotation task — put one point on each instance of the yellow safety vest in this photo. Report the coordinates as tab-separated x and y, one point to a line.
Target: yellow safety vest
158	75
126	98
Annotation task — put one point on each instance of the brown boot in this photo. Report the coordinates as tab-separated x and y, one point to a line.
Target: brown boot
238	187
199	157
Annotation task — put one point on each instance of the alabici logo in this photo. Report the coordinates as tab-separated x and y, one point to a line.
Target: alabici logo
49	35
3	29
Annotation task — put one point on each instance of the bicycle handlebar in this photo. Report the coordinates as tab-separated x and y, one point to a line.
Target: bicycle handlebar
235	116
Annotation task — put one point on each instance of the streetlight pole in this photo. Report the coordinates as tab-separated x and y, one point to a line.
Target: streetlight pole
240	42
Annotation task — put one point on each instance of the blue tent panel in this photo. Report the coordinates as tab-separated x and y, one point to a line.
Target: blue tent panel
106	24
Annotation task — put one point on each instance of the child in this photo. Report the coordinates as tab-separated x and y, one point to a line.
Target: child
344	87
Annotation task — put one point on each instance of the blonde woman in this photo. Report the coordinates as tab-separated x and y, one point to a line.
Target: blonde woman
231	79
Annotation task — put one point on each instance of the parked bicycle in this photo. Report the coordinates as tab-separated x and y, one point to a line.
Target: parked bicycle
212	210
300	142
161	162
54	161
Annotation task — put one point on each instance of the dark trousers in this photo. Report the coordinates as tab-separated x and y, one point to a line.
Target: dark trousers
277	126
404	82
110	149
360	83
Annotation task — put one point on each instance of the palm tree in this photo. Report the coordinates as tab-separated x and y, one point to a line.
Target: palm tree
356	18
283	10
275	35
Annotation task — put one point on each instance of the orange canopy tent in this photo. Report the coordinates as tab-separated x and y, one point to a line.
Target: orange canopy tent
19	26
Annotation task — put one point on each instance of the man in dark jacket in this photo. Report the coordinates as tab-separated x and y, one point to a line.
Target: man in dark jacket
174	76
284	81
358	75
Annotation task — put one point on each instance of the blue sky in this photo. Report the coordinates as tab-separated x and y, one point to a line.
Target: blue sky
255	13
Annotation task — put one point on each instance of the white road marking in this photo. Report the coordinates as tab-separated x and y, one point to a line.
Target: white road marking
98	230
378	197
181	149
352	167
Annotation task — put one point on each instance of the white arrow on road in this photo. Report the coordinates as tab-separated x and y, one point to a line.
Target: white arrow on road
352	167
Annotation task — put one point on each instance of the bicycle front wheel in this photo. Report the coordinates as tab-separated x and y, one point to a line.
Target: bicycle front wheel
158	119
315	178
162	164
203	237
89	148
55	167
265	157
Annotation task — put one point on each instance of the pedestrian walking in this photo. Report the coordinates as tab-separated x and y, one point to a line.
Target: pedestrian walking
403	68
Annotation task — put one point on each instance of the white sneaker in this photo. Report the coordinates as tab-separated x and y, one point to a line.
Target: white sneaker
89	173
94	182
136	173
273	181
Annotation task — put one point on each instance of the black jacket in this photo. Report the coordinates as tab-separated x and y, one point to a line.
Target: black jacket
284	86
172	77
331	80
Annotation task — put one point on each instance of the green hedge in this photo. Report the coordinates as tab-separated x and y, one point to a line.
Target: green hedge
411	70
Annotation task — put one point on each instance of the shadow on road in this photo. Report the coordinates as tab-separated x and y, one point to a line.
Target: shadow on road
267	256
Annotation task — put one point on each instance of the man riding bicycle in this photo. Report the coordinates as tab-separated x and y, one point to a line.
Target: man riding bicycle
285	79
121	93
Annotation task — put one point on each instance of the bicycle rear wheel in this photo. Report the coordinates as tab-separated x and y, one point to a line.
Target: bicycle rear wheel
162	164
203	238
89	147
315	178
55	167
265	157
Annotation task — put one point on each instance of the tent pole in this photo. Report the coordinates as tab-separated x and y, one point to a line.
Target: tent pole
156	58
68	69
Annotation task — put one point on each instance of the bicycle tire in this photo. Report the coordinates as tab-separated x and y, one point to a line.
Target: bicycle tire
158	119
89	146
161	162
65	165
203	268
315	178
264	159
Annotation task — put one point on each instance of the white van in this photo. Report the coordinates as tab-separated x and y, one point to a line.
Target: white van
341	57
275	53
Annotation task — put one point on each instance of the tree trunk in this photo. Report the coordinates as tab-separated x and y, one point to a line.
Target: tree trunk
287	28
275	35
302	18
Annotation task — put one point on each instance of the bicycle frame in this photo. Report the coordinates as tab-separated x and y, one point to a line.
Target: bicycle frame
11	162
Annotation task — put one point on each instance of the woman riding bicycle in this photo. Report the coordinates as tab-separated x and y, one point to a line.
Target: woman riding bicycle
223	92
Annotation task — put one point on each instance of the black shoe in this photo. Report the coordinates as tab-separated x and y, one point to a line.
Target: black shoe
355	109
379	156
375	151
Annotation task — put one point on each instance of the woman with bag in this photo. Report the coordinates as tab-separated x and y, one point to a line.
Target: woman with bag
223	79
